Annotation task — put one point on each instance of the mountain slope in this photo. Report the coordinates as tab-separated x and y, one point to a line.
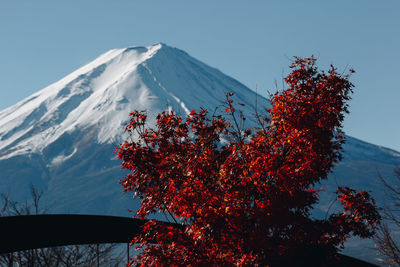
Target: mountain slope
103	92
62	138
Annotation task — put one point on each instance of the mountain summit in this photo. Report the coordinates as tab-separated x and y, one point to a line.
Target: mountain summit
103	92
61	139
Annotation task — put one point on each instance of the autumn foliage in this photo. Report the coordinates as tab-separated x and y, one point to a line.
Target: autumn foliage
244	197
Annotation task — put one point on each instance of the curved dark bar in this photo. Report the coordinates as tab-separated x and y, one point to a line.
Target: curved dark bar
40	231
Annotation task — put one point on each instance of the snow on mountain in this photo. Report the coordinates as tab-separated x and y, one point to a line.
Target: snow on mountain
104	91
62	138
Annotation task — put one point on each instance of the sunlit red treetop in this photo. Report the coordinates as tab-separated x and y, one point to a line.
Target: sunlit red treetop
244	196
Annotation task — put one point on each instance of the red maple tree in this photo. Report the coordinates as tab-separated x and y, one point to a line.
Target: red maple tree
244	197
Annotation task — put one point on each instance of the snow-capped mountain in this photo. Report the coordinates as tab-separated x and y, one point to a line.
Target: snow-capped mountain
62	138
102	93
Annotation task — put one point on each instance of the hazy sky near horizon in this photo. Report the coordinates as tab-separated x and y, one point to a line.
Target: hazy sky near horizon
252	41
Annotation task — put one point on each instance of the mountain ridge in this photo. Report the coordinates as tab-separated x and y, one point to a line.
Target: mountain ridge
103	86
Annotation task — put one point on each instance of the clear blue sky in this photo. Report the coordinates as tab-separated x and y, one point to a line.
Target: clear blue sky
42	41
